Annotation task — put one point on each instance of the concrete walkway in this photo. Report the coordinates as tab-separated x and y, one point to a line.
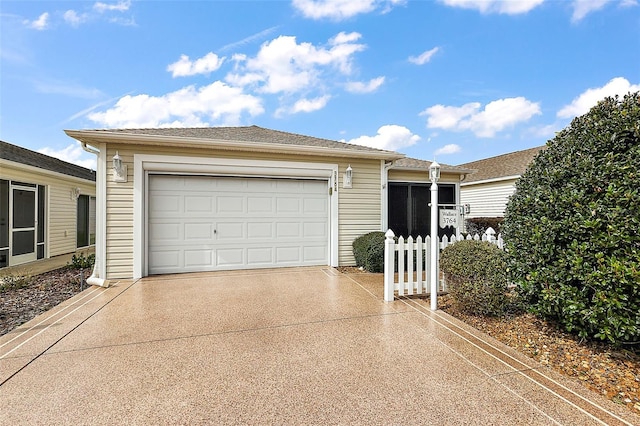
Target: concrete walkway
287	346
44	265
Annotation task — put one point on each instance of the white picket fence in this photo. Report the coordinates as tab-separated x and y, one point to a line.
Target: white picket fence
405	280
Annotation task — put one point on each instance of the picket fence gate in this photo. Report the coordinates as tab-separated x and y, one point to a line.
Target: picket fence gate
405	280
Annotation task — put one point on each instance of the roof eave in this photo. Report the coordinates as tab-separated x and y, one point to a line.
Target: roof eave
442	169
92	137
492	180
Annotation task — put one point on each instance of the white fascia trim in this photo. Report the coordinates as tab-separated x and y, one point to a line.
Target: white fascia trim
143	164
500	179
38	170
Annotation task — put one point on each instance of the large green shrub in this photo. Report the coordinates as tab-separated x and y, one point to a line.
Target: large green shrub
368	250
572	226
476	277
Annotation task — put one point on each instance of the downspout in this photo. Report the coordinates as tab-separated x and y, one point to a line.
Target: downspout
95	278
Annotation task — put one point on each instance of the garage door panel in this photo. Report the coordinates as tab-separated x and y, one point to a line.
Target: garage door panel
315	230
314	253
230	230
230	257
259	205
198	231
259	256
288	205
233	205
198	258
288	255
257	223
288	230
198	204
257	230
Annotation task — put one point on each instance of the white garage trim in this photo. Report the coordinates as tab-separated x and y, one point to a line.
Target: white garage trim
145	164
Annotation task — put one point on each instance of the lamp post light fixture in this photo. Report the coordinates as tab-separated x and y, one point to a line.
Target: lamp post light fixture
119	169
347	181
434	176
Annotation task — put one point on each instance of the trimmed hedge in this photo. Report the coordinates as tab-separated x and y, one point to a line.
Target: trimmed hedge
476	275
368	250
571	227
478	225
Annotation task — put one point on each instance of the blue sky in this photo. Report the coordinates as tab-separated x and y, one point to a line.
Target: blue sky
455	80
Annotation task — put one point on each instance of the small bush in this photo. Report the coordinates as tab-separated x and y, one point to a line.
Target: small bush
476	275
80	261
368	250
14	282
478	225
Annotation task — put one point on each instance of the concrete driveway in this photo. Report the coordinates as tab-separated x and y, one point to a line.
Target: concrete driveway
286	346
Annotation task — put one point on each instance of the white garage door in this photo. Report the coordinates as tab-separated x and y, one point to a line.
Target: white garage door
203	223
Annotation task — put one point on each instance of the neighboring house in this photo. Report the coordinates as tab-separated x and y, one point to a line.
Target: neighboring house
220	198
47	206
488	189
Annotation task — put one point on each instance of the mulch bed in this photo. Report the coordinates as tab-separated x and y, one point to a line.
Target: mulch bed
43	292
609	371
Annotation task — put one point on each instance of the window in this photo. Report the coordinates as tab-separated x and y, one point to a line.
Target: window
409	212
86	224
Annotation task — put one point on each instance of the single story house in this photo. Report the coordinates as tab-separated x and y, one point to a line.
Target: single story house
47	206
174	200
488	188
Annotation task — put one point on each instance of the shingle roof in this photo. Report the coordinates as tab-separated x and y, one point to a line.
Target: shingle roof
414	163
247	134
21	155
511	164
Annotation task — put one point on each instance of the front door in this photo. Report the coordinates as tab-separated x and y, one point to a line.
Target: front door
23	228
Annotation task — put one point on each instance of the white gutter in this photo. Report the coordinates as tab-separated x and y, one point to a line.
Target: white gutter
98	272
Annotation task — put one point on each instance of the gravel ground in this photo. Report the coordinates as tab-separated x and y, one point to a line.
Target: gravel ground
610	371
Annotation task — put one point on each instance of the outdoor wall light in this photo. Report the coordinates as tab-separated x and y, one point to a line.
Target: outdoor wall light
119	169
434	171
347	182
75	193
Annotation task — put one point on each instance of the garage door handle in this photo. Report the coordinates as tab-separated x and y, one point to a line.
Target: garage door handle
215	231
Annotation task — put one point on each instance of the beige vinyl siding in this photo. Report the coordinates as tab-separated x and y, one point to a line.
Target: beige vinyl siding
61	207
487	199
359	207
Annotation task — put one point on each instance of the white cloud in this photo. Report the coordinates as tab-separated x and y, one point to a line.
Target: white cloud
496	116
284	66
73	18
424	57
582	8
583	103
121	6
507	7
185	67
342	9
215	104
304	105
40	24
72	154
451	148
249	39
368	87
390	137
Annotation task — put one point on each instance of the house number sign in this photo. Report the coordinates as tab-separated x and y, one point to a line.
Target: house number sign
449	218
